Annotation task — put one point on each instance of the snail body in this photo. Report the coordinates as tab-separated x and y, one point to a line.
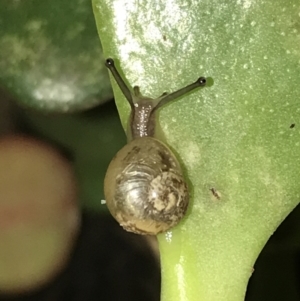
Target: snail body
144	185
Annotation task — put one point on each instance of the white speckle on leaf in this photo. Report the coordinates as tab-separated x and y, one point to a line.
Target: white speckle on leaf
253	23
103	202
123	11
245	3
168	236
153	33
180	272
192	153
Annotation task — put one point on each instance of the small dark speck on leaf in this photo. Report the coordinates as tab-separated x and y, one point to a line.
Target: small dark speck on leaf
215	193
164	37
292	125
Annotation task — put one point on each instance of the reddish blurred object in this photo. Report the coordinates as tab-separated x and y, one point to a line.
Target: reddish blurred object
39	214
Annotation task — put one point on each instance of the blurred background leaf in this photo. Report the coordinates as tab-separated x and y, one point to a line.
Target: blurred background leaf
50	55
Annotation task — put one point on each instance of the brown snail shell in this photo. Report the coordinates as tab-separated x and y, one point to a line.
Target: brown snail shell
144	187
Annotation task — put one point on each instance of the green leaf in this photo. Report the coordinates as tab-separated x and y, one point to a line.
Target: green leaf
50	55
235	136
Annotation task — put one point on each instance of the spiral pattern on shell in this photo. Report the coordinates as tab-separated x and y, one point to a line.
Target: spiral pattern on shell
144	187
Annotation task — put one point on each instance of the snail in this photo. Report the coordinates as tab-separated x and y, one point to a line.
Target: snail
144	187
